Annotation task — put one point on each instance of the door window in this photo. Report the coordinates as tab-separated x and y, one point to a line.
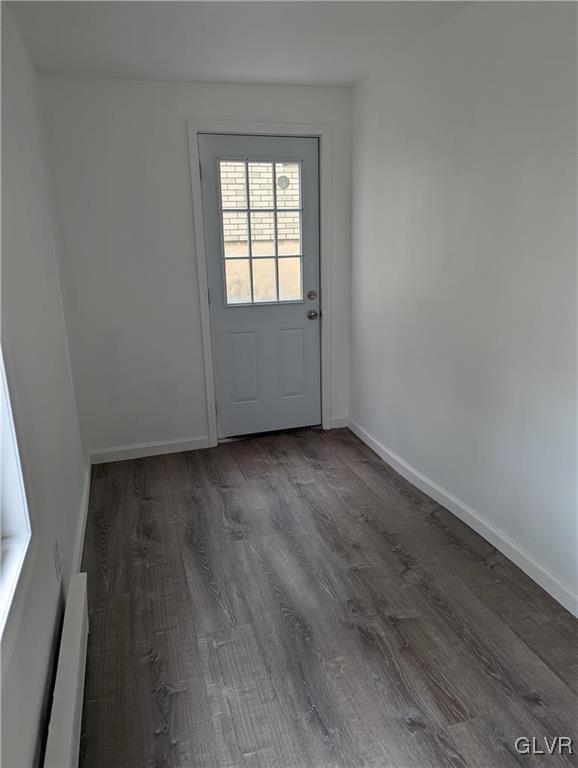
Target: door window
261	221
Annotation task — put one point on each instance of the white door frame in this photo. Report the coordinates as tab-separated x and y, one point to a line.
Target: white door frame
322	131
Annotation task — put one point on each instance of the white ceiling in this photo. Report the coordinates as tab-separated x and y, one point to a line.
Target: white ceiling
276	42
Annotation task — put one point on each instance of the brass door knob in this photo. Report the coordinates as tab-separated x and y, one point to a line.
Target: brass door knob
312	314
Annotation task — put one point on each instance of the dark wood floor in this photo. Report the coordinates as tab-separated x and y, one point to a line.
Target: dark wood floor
288	601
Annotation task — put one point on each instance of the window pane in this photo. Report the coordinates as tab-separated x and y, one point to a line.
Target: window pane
235	235
289	233
262	234
290	279
233	186
264	288
261	185
288	185
238	281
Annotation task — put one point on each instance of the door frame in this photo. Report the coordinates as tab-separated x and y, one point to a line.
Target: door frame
321	131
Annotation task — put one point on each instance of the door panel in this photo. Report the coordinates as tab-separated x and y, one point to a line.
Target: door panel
244	379
261	217
291	363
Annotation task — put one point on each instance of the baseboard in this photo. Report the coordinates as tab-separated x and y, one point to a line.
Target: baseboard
542	575
81	525
339	421
141	450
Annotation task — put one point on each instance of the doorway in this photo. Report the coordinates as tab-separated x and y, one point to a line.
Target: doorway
260	198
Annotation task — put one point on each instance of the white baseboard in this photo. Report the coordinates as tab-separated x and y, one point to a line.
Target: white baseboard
141	450
81	525
339	421
542	575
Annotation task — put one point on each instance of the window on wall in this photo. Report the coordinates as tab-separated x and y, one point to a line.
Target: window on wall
14	511
261	217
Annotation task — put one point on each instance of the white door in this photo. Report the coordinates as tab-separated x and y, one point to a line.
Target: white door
261	218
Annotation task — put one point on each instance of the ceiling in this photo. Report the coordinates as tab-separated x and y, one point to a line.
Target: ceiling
332	43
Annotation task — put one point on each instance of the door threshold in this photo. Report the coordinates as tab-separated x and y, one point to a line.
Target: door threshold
254	435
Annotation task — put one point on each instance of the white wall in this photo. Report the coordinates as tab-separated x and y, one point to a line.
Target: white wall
38	372
463	337
119	157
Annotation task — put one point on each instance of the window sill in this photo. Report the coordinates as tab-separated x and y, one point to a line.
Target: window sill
14	550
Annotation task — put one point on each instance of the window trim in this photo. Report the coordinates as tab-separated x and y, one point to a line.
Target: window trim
16	519
248	210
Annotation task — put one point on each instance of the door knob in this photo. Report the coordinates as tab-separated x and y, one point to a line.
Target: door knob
312	314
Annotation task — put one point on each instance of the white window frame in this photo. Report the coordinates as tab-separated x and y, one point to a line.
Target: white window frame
249	211
14	517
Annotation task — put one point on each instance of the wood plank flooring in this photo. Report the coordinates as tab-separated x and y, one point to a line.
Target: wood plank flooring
289	601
